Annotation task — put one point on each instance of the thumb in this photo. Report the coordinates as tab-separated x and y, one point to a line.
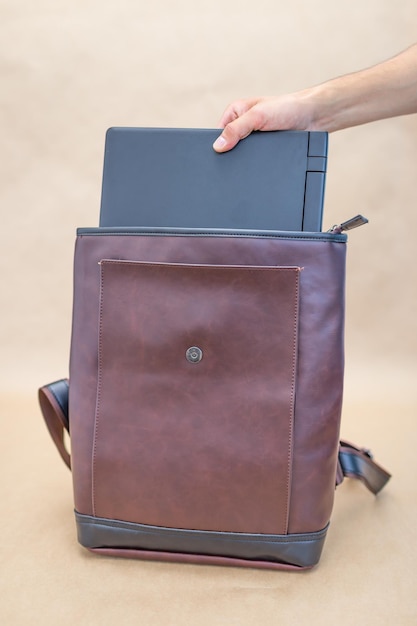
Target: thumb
235	131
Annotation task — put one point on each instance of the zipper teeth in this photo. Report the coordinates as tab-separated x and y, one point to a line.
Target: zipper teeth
327	236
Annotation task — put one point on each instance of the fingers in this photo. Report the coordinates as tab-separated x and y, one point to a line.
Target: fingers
296	111
238	128
236	109
236	124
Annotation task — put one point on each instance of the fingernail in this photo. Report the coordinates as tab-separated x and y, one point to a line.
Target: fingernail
219	143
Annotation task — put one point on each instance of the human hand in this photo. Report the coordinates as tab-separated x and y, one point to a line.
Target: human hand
384	90
294	111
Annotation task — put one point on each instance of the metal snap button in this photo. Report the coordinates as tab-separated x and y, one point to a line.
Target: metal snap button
194	354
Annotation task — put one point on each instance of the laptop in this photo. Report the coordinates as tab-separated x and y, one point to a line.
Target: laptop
172	178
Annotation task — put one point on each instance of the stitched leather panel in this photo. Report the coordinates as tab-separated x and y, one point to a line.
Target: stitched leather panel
319	379
204	445
302	550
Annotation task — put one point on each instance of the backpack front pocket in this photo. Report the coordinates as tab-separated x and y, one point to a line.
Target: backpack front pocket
195	395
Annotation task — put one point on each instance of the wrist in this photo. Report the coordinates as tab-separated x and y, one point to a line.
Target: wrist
329	107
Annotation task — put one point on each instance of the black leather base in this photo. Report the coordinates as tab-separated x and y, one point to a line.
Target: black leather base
302	550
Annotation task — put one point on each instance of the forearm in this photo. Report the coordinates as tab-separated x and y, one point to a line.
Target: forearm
384	90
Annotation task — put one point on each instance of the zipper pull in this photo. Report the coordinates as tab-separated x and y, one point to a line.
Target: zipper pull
354	222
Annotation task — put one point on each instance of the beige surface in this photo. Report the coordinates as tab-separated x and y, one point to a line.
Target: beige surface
70	70
366	574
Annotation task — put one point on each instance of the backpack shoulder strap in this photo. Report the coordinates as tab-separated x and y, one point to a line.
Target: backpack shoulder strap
358	463
53	400
353	462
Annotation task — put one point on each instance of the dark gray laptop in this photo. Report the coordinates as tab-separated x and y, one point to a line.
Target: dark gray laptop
172	178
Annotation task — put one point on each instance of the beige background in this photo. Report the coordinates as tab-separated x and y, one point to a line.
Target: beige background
69	70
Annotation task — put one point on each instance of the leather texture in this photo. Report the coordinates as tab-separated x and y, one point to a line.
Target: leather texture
195	559
358	463
299	550
53	400
243	442
194	439
353	462
319	374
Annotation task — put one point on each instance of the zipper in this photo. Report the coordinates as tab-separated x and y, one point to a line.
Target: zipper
206	232
354	222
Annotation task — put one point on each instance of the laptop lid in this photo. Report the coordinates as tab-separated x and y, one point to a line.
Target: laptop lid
168	177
